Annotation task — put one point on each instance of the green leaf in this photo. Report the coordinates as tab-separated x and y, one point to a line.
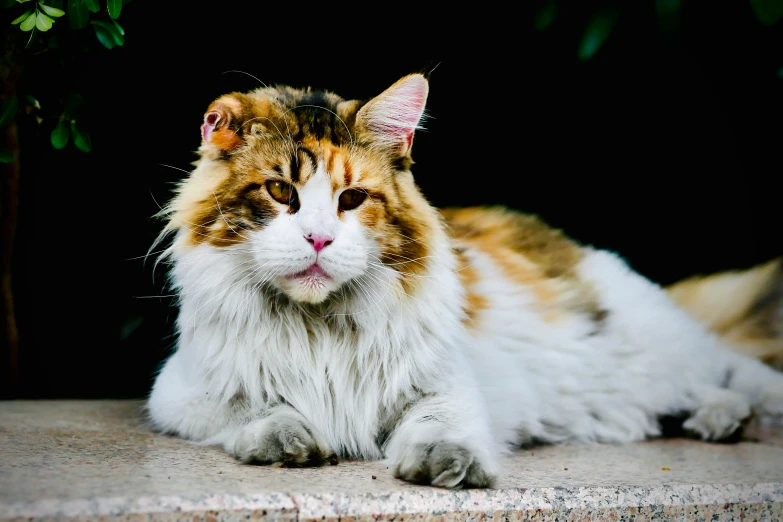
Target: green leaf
23	17
57	4
78	15
546	15
60	135
9	3
80	138
43	22
6	156
114	7
32	101
118	27
769	12
104	36
92	5
51	11
28	24
112	31
8	110
598	29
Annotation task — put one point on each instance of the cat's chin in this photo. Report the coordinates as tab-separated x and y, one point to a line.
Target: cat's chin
312	288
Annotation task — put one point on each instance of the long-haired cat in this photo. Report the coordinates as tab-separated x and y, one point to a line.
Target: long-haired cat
328	310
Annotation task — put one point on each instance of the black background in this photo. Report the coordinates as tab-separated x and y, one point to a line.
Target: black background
665	146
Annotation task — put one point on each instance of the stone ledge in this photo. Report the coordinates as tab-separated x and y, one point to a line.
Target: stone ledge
95	460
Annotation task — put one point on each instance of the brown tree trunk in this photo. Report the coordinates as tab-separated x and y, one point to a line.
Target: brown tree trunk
9	204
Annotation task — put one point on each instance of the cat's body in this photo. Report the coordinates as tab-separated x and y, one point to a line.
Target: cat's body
311	324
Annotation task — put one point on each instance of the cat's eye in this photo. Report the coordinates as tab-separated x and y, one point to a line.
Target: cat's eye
282	192
350	199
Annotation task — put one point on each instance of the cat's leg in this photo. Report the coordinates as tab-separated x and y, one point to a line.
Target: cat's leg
181	404
443	440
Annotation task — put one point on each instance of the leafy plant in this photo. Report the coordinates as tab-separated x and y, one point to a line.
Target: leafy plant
39	16
601	23
42	26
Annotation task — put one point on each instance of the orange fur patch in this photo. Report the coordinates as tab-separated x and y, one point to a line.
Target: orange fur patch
530	253
225	139
474	302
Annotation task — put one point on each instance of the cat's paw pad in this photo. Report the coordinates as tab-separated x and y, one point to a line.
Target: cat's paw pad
443	464
720	418
285	441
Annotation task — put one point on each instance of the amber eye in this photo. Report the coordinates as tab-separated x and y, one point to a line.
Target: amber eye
350	199
281	191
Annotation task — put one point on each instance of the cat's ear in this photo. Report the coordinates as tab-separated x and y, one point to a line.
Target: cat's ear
222	127
392	117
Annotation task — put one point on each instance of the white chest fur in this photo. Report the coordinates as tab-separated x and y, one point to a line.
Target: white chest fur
349	370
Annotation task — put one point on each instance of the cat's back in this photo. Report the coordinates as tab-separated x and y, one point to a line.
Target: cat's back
510	260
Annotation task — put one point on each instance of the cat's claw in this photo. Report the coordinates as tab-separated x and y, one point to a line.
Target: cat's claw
282	440
443	464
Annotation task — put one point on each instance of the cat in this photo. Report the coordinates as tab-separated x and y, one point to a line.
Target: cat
328	311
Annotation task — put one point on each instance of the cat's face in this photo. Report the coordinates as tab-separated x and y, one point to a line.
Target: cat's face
316	189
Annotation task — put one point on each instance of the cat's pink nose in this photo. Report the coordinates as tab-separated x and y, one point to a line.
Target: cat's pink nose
318	241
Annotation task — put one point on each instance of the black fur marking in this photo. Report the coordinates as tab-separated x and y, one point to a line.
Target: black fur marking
599	317
252	187
307	152
315	114
296	163
294	167
727	378
261	210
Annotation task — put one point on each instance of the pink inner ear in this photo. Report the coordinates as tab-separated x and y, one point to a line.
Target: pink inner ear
210	121
408	139
394	115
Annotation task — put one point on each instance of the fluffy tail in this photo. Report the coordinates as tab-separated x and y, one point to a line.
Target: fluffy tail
744	307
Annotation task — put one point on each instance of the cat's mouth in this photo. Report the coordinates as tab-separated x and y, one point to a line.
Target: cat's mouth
313	272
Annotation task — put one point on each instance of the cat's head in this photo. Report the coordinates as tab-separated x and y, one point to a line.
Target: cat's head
316	189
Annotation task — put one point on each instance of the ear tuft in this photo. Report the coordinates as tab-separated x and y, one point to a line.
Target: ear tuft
393	116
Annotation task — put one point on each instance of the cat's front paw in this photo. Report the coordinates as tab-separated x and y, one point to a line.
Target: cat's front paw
443	464
283	440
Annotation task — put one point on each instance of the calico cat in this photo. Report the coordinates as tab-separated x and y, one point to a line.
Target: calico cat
327	310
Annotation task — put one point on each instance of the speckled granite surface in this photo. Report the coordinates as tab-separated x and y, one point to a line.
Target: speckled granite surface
95	460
